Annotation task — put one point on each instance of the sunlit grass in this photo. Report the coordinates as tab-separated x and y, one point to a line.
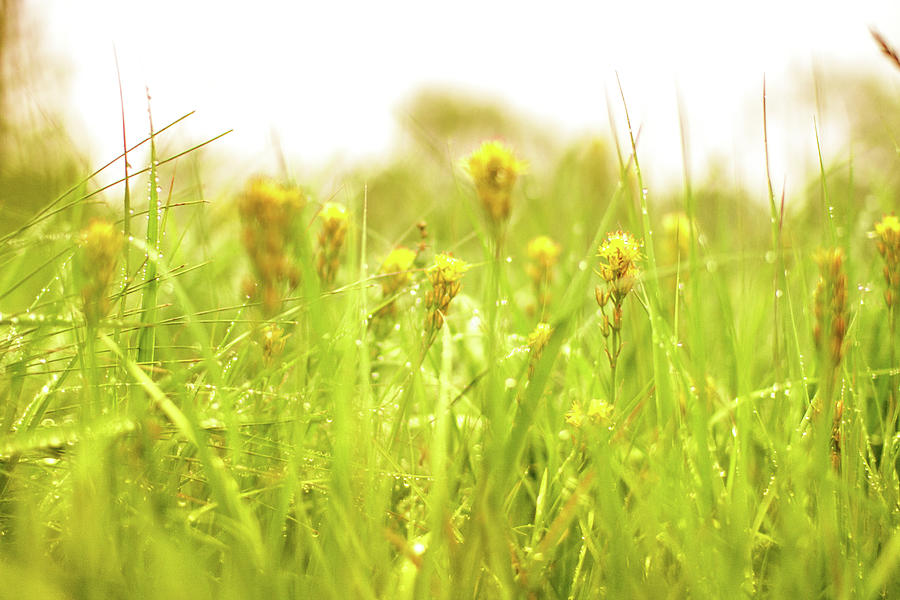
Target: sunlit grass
287	392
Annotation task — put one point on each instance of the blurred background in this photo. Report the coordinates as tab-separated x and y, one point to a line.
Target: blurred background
314	85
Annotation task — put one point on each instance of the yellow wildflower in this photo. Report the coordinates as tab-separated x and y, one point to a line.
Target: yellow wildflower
494	169
889	226
445	277
268	210
101	243
396	268
830	304
395	274
619	254
537	341
273	341
331	239
333	215
538	338
888	233
543	252
595	413
447	268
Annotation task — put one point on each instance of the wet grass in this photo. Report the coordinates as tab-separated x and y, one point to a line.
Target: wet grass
205	440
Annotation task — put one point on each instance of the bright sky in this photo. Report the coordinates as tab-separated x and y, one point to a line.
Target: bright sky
328	75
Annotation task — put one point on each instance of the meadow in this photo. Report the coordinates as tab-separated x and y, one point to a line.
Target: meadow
499	370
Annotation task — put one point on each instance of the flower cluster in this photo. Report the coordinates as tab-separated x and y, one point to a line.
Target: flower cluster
887	232
395	270
268	211
597	412
494	169
445	277
395	275
537	341
331	240
619	254
101	243
830	305
544	253
273	341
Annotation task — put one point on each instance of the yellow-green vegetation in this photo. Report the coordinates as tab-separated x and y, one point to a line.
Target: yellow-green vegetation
288	394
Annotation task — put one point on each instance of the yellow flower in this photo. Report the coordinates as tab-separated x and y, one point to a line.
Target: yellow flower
888	234
333	213
396	268
619	254
101	243
494	169
597	412
830	304
273	341
538	338
537	341
268	210
444	276
269	202
543	251
331	239
400	259
889	226
447	269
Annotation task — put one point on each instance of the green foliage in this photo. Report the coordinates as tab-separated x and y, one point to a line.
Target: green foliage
193	445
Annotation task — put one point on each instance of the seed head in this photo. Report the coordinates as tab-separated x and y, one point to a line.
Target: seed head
268	211
494	169
101	243
830	305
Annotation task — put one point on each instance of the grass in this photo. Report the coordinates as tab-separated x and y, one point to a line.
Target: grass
205	440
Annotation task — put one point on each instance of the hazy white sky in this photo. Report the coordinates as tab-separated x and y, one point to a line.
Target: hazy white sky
329	75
